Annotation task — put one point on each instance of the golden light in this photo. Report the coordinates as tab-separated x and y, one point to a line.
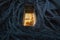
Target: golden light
29	16
29	19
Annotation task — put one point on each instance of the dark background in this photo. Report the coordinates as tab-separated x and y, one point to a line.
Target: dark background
47	26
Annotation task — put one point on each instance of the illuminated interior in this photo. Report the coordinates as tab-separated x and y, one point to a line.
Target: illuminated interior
29	17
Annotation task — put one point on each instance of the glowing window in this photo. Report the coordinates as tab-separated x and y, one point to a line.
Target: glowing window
29	17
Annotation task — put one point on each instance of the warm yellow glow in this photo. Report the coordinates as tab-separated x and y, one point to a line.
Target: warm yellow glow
29	19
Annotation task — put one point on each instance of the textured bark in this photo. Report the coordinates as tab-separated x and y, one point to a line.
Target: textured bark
47	26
